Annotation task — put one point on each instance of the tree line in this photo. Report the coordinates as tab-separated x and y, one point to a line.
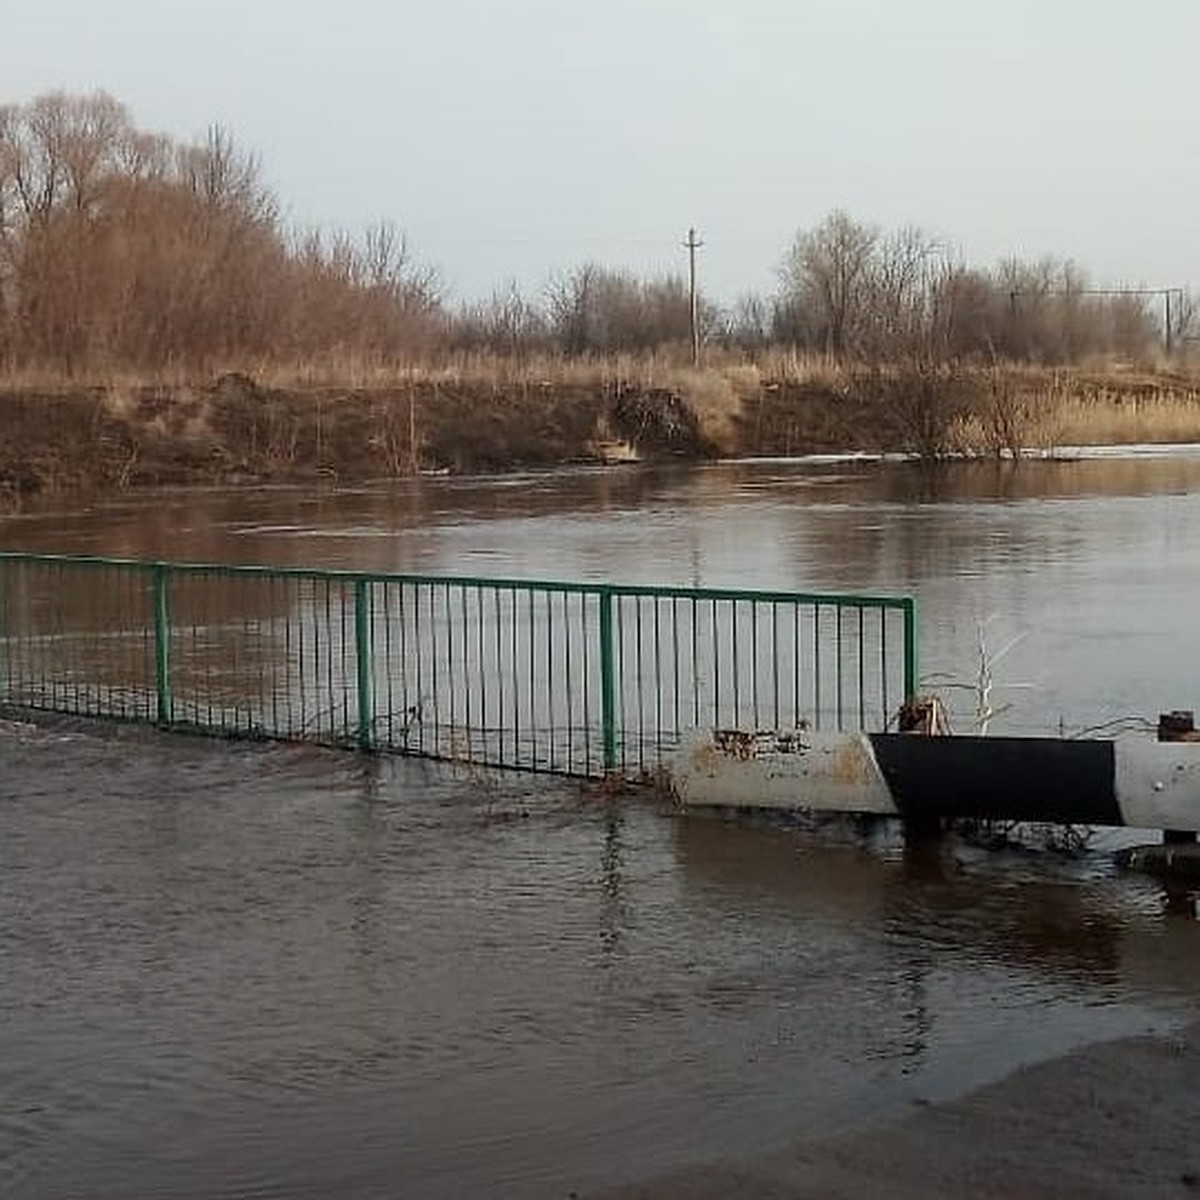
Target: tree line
120	248
125	249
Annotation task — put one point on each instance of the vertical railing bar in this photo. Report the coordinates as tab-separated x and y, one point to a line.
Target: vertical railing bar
568	684
775	716
311	678
658	683
241	681
306	657
435	670
499	672
114	696
883	665
457	751
364	668
423	714
332	648
675	668
639	678
406	712
797	689
330	706
840	705
468	707
70	675
608	719
817	689
533	725
754	662
347	639
695	664
483	672
256	709
297	674
586	650
268	661
911	650
735	665
283	586
250	629
324	635
624	656
206	609
226	665
513	637
551	757
280	601
715	640
862	703
388	717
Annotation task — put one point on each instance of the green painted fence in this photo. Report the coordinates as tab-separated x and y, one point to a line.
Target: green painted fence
573	678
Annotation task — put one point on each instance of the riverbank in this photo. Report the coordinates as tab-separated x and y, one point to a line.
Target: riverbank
236	429
1112	1120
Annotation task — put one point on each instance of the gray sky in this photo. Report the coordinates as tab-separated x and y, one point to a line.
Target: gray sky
515	138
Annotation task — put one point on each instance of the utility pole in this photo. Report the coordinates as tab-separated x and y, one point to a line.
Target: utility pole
691	246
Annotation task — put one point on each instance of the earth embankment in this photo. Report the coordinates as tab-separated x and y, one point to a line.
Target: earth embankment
234	429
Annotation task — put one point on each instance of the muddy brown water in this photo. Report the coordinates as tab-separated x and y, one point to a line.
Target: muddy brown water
246	970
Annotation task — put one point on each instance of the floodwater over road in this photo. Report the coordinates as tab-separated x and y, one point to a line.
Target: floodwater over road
235	970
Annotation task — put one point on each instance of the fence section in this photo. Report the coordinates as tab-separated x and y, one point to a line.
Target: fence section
571	678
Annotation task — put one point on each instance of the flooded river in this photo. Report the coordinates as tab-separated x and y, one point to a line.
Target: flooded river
235	970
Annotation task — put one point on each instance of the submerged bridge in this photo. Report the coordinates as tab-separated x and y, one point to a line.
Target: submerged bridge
583	679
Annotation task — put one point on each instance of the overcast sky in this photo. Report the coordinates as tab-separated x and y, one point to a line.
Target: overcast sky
515	138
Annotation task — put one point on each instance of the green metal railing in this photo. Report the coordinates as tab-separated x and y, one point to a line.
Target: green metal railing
573	678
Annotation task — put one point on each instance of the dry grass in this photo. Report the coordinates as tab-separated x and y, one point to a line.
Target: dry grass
1117	419
349	371
716	396
1015	406
1025	410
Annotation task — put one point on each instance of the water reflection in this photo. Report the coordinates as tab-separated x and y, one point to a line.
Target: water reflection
1071	920
614	912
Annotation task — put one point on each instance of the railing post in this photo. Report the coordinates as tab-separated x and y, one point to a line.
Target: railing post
608	690
162	644
912	677
363	665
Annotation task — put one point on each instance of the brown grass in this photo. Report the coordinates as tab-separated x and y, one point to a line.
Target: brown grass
1170	417
356	418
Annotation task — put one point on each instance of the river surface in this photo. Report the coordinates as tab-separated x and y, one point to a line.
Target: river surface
245	970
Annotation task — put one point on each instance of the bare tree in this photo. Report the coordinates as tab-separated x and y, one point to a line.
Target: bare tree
748	323
593	309
118	246
826	274
507	323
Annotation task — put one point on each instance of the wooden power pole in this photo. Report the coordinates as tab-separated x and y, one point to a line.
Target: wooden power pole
691	246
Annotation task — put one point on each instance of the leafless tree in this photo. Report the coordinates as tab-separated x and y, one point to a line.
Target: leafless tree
594	309
827	276
507	323
119	246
